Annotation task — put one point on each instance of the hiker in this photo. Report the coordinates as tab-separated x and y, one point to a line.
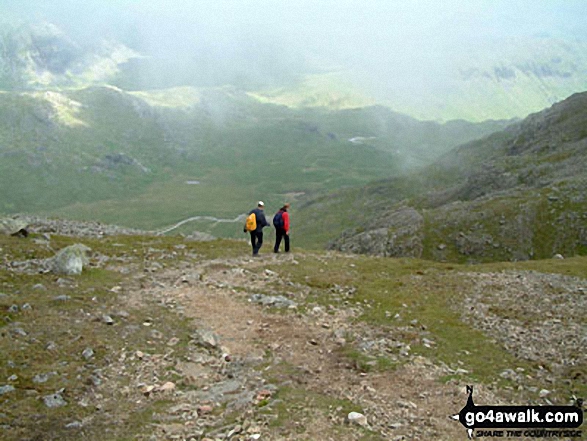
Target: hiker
255	223
281	224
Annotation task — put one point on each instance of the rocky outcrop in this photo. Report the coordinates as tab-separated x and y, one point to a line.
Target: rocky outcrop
72	228
398	233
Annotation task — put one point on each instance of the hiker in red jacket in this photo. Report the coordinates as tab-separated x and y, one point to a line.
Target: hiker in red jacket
281	224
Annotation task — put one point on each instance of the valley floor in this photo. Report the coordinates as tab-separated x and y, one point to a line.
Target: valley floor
198	341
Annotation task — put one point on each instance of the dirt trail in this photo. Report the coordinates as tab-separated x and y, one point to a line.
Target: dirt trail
303	351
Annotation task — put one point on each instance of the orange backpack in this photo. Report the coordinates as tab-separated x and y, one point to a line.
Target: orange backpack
251	223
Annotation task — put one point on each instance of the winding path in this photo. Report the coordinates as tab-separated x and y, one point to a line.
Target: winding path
239	218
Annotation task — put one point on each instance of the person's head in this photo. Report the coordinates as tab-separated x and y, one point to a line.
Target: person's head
285	206
261	205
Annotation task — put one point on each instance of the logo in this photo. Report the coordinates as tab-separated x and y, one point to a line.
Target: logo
512	420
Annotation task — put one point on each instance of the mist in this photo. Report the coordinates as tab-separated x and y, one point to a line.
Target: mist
390	50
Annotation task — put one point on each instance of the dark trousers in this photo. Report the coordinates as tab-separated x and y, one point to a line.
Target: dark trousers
256	241
279	234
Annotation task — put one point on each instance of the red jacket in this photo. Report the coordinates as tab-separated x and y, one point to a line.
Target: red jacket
285	217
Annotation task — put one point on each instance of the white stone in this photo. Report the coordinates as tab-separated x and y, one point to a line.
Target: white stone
357	418
167	387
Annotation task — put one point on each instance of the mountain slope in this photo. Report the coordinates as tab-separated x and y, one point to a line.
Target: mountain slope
152	158
516	194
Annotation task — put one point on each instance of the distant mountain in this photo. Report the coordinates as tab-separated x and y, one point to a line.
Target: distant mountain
152	158
507	79
503	79
516	194
40	56
499	80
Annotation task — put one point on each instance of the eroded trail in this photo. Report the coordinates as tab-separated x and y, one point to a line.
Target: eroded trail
294	363
167	339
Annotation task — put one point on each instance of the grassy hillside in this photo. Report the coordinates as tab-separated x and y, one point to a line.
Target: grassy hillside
516	194
150	159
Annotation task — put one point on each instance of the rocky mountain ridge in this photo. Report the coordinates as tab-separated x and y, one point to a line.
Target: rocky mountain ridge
516	194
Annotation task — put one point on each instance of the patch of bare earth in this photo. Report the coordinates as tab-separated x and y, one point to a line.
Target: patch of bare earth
291	349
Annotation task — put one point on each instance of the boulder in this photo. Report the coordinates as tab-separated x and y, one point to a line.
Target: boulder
70	260
14	227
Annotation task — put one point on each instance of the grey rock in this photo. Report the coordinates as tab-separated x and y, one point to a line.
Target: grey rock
74	425
6	389
64	282
88	353
26	307
51	346
54	400
13	309
428	342
396	233
40	287
13	377
107	319
62	298
43	378
14	227
223	392
70	260
18	331
275	301
207	339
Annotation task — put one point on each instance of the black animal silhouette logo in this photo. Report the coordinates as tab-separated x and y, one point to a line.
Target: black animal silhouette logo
469	407
517	417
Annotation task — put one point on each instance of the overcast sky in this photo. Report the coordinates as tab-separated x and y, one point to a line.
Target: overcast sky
410	40
317	21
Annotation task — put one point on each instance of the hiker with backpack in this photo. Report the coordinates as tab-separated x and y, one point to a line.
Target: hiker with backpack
281	224
254	224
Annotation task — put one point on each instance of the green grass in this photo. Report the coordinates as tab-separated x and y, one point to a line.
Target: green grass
75	325
295	403
240	150
427	292
415	289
